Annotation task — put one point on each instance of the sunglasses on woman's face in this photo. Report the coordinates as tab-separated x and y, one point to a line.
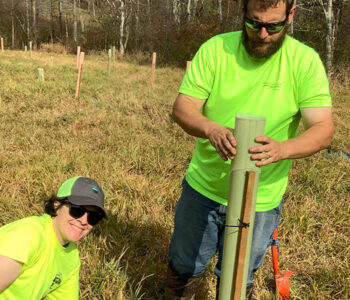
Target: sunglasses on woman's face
77	211
270	27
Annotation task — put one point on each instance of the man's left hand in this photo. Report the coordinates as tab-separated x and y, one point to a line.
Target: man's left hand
269	152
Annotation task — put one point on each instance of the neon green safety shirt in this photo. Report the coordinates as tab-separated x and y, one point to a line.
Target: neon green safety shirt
232	82
49	271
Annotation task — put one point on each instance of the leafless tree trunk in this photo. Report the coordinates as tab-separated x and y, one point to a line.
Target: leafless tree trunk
137	25
121	28
51	22
189	16
35	28
149	27
27	20
328	12
12	24
60	8
220	15
66	27
75	26
177	13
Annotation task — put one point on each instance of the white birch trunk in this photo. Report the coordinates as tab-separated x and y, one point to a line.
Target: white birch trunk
121	28
328	12
220	14
189	16
177	13
330	37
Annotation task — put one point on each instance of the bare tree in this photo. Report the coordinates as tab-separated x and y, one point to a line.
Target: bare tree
35	27
189	16
220	15
177	13
75	20
122	45
327	7
51	22
27	20
60	9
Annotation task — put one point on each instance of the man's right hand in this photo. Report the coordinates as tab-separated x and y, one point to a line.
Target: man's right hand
223	140
187	112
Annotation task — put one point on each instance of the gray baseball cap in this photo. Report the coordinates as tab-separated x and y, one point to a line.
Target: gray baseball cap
82	191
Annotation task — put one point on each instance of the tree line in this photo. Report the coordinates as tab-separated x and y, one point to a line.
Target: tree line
173	28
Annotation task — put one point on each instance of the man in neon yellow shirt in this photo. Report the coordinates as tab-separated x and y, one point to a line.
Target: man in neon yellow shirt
38	255
261	72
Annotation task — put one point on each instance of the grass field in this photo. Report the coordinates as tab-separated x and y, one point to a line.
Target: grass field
120	132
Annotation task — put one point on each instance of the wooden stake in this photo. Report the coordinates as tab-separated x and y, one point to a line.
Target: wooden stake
25	48
2	44
154	62
188	63
243	238
41	74
78	56
80	70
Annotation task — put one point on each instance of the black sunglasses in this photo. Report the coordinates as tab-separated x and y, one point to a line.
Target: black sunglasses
270	27
77	211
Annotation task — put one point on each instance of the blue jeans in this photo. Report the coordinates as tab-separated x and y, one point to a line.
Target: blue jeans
199	234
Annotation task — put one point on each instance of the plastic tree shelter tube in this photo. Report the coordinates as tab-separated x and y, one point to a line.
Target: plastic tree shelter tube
247	128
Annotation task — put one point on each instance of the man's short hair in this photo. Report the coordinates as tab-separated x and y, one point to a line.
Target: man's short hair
265	4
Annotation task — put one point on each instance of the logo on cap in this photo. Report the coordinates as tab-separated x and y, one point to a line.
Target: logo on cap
95	189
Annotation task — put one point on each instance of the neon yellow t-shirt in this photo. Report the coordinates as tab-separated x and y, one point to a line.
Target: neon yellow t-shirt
49	271
232	82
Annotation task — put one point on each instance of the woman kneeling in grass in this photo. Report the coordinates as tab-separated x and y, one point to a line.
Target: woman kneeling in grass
38	255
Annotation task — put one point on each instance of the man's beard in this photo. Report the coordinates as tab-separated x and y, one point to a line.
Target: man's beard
254	48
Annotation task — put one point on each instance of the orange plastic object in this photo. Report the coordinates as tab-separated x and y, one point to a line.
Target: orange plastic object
281	280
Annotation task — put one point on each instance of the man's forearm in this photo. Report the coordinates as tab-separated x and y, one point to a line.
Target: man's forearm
194	124
187	113
314	139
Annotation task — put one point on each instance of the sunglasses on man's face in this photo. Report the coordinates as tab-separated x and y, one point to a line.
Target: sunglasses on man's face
77	211
270	27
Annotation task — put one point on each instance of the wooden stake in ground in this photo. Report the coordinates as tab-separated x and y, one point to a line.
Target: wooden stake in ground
80	70
243	239
25	48
41	74
154	62
78	56
109	61
188	63
2	44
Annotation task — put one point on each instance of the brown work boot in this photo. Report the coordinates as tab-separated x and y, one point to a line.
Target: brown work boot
181	287
248	294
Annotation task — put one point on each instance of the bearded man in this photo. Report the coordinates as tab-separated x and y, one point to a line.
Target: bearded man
258	71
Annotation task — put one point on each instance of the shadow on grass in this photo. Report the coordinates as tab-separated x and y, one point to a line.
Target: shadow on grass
146	251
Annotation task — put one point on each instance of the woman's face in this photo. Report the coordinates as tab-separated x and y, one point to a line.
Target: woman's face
69	229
